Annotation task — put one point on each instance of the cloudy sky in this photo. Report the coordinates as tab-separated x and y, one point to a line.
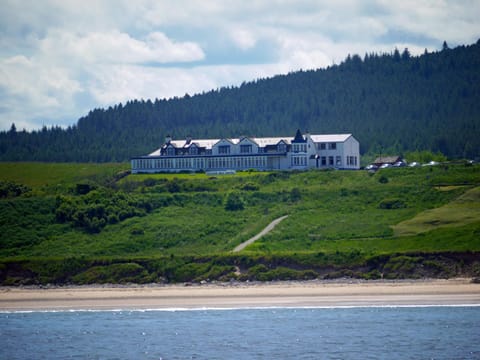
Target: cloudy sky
61	58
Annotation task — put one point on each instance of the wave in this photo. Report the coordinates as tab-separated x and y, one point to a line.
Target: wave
240	308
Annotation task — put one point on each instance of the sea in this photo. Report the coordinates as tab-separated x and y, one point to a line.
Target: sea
397	332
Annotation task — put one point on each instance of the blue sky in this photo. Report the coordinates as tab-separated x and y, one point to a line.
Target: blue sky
61	58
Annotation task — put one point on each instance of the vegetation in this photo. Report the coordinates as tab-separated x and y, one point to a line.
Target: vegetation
392	103
89	223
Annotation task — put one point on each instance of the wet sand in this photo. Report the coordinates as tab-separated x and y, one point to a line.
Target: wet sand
243	295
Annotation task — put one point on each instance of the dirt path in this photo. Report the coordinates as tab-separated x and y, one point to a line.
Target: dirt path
260	234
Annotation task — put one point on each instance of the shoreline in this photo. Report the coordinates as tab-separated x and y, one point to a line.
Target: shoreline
316	293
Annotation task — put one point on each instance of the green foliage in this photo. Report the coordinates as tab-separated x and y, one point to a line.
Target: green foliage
383	179
295	194
424	156
234	202
96	209
392	204
114	273
337	222
413	103
11	189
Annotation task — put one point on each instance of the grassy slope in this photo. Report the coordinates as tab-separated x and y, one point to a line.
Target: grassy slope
55	176
462	211
330	212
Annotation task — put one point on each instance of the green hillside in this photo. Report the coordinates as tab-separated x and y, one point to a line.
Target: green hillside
391	103
83	223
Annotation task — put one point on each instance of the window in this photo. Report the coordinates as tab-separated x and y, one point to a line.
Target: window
299	161
352	160
245	149
322	146
338	160
224	149
332	146
170	151
330	160
281	147
193	150
299	147
324	161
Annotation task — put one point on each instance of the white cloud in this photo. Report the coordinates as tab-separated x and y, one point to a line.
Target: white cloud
243	38
117	47
60	58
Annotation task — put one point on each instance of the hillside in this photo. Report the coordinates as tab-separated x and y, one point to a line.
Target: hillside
390	102
89	223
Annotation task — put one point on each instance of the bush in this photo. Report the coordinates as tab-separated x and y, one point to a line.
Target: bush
390	204
234	202
96	209
295	195
11	189
249	187
113	273
383	179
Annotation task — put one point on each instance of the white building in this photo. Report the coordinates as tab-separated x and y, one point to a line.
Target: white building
302	152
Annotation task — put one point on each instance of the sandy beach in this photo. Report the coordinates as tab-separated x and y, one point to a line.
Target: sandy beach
244	295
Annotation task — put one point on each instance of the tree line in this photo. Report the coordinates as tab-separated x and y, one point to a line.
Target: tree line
391	102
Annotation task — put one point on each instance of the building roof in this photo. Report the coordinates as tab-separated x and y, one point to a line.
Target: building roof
262	142
330	138
387	160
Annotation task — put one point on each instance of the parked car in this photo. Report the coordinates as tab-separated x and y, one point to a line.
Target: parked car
399	164
414	164
384	166
431	163
371	167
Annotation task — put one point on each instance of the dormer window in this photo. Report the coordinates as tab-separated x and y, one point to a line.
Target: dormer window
299	147
245	149
282	147
193	150
170	151
224	149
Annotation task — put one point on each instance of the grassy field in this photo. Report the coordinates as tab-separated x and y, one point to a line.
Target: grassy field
182	227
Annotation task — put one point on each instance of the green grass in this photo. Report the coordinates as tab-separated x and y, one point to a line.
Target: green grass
461	211
56	176
355	213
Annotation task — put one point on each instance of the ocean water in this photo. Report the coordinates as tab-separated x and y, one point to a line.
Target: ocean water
435	332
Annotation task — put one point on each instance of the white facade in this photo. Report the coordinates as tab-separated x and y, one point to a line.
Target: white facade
307	151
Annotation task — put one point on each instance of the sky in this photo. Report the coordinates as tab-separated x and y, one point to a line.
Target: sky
59	59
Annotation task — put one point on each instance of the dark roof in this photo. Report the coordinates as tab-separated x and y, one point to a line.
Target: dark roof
387	160
299	137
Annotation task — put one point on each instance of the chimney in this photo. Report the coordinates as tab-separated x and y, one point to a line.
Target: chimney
168	138
188	140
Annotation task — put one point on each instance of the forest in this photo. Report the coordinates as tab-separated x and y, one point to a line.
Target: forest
392	103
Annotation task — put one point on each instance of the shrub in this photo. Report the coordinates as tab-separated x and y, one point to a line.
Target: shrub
383	179
137	231
249	187
113	273
295	194
390	204
234	202
11	189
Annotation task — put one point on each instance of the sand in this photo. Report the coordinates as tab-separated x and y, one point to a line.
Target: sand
244	295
